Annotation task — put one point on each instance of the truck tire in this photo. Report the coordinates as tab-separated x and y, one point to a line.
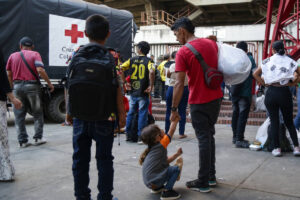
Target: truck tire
56	109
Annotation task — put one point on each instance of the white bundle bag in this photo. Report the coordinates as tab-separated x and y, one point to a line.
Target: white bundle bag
260	103
233	63
262	132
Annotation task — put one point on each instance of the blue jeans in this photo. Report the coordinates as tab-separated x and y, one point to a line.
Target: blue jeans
297	118
139	104
30	96
181	109
83	134
172	175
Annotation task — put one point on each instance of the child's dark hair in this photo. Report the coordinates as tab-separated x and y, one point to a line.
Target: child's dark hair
97	27
149	134
144	47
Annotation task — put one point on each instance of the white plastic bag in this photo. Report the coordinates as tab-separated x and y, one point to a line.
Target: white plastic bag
262	132
260	103
233	63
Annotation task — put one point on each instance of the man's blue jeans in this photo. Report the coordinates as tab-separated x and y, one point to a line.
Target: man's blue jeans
181	109
83	134
297	118
138	104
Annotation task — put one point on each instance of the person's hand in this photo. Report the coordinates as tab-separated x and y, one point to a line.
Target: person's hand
17	103
179	151
175	117
51	87
148	90
69	119
127	86
122	120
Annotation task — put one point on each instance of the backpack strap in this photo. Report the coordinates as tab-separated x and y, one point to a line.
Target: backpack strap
29	68
198	56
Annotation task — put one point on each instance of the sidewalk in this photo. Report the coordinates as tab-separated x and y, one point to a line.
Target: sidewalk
44	172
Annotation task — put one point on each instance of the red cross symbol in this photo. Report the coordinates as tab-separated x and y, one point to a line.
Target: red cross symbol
74	33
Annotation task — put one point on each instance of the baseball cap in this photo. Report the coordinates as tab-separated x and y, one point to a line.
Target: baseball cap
26	41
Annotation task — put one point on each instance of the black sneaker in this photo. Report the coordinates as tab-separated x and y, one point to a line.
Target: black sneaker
197	186
233	140
212	182
169	194
242	144
24	144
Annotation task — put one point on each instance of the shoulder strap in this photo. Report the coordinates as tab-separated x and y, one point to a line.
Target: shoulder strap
198	56
29	68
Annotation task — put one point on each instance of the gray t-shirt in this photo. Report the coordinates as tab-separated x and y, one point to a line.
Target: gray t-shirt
155	165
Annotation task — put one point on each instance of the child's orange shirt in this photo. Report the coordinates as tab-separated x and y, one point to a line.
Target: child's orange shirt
165	141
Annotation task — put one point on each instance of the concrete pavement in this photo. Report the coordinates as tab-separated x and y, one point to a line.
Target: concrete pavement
44	172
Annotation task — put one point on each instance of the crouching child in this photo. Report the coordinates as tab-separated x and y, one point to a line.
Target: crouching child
158	175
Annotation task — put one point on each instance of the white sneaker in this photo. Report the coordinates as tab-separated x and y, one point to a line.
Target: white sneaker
296	151
39	142
277	152
162	102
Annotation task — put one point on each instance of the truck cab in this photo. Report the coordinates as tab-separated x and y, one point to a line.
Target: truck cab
57	29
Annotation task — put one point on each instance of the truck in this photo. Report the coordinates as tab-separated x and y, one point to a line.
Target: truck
57	29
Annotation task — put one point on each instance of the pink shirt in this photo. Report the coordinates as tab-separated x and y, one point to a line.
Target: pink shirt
187	62
16	65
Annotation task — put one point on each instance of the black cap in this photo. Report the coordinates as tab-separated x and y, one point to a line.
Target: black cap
26	41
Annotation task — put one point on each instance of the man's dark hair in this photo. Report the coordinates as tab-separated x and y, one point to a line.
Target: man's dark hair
97	27
173	55
185	23
242	45
166	56
144	47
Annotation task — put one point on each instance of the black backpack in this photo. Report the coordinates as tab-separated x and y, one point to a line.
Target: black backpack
92	84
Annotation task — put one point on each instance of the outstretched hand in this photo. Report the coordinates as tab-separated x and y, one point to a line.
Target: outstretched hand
179	151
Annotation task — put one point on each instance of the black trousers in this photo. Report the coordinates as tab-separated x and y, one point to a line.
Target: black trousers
280	98
241	108
204	117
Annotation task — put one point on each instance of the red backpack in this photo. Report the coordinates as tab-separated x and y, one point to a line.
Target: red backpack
213	77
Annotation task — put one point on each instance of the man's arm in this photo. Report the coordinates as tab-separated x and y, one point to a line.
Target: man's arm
177	93
44	75
151	77
10	78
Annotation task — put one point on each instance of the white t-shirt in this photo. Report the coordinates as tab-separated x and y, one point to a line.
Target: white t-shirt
278	69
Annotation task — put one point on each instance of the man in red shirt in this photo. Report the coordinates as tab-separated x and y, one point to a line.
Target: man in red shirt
27	89
204	102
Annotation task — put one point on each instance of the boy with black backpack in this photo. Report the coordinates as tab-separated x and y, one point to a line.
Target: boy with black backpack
95	98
